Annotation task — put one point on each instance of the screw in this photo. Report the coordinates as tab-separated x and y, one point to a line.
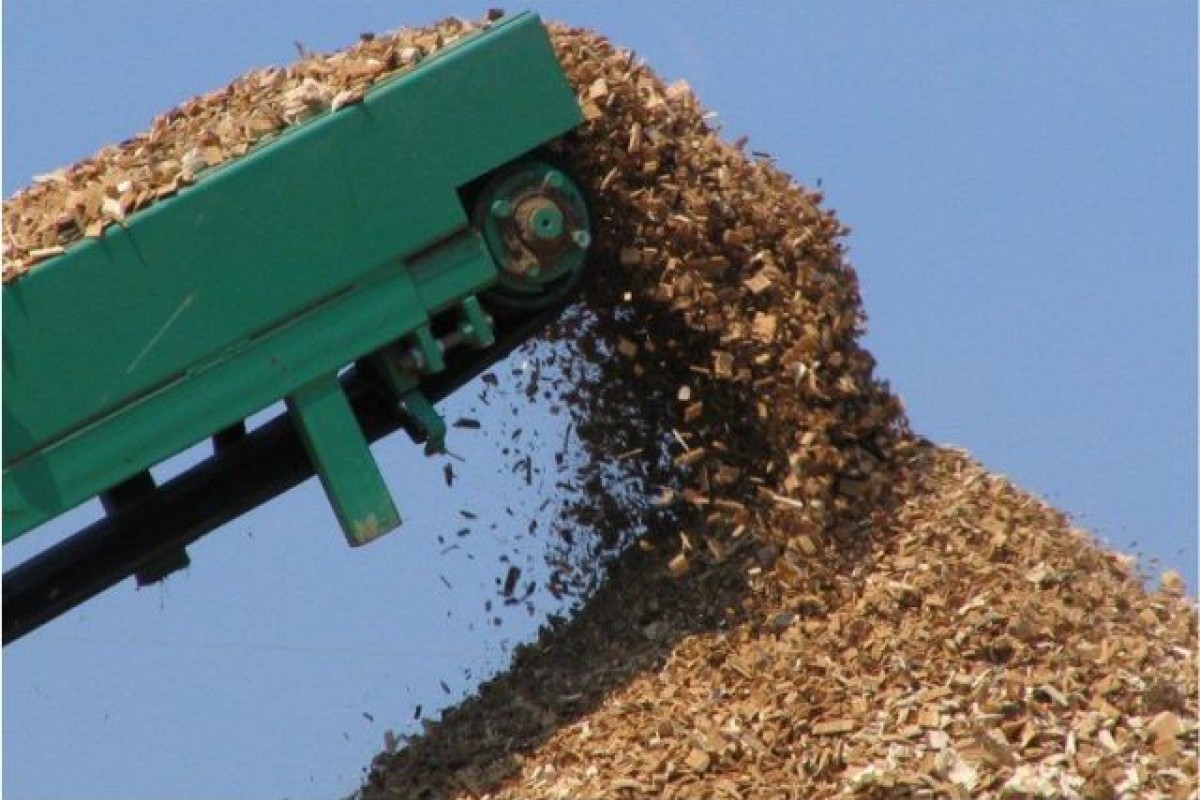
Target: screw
501	209
552	180
581	238
414	359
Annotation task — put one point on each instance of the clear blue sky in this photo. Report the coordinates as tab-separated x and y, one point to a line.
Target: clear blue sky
1021	181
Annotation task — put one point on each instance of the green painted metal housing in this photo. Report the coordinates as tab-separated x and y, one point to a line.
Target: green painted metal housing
262	280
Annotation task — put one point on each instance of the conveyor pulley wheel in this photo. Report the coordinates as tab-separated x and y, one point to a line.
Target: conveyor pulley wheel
535	221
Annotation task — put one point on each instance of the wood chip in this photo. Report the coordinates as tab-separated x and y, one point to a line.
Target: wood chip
698	761
758	284
834	727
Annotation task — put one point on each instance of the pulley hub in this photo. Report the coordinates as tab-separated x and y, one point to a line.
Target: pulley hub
535	222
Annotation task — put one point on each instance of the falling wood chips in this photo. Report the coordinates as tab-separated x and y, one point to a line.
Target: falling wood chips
854	612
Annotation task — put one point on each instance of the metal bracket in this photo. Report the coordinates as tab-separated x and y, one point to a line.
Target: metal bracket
129	493
474	325
427	419
340	454
428	351
402	386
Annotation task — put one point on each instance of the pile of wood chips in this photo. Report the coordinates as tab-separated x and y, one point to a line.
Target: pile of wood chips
835	607
819	603
977	646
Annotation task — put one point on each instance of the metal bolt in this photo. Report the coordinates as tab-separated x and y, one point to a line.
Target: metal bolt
581	238
413	360
552	180
502	209
546	222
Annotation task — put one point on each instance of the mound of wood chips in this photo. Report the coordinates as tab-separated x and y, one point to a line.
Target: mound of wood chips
976	646
818	602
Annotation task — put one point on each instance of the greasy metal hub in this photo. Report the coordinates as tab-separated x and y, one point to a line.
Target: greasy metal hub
540	222
536	226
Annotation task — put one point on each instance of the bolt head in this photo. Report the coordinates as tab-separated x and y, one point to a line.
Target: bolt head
546	223
582	238
553	180
501	209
